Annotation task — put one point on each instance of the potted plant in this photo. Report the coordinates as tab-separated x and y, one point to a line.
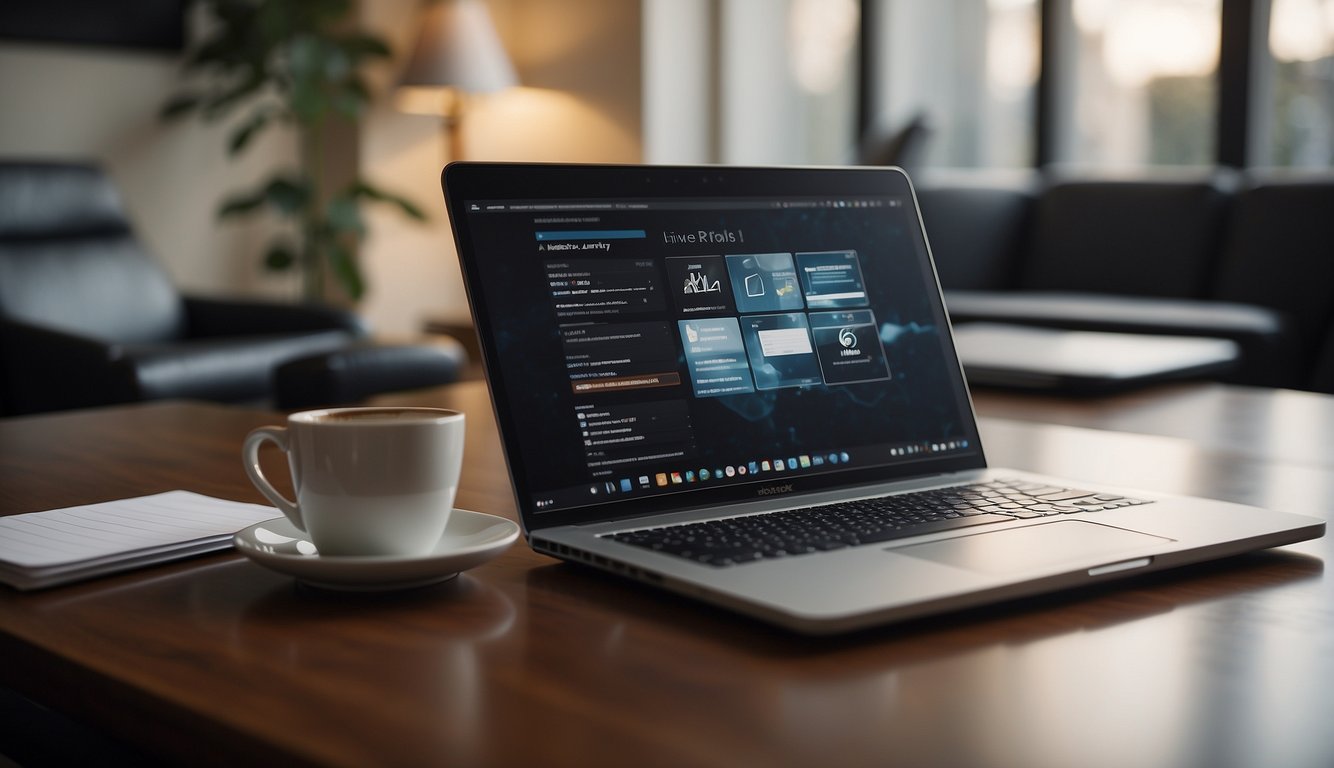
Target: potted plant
295	63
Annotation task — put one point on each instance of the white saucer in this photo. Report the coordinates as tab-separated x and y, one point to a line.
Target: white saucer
470	539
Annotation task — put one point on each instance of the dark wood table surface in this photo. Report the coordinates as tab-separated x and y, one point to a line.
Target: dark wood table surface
524	660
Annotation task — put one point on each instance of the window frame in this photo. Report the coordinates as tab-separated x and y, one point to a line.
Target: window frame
1244	27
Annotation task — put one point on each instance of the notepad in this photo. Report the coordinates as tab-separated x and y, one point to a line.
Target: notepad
43	549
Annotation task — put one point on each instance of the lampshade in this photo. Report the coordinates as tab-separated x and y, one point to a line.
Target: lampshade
457	47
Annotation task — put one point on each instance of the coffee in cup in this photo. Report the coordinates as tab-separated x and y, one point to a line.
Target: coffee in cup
368	481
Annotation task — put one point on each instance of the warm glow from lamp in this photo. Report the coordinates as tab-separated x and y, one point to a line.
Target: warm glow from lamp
457	53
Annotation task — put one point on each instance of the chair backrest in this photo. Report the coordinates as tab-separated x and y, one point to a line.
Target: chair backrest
1279	253
1138	238
69	260
976	232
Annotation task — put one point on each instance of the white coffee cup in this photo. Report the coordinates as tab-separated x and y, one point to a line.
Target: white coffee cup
369	481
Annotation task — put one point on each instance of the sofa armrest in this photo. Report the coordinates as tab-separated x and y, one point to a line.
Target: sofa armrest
1270	351
354	373
49	370
207	317
1127	314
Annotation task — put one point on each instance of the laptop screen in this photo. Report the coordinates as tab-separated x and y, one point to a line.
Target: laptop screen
664	338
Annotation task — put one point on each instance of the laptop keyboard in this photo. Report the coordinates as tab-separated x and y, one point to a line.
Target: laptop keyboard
750	538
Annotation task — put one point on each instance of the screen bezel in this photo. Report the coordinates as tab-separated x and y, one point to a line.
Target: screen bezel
474	181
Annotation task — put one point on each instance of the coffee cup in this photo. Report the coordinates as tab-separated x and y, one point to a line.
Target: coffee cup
369	481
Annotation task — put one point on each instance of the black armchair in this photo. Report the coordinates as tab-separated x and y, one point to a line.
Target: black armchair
88	317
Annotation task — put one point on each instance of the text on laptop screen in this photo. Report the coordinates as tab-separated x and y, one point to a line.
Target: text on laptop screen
665	346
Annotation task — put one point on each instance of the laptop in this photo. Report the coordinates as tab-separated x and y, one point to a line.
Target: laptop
1083	362
740	385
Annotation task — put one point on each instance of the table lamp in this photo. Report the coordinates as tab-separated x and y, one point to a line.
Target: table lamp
457	52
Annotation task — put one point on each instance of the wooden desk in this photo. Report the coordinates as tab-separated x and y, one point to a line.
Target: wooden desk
526	661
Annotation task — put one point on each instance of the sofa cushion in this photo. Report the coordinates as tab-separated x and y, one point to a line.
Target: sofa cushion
1155	238
976	233
1279	253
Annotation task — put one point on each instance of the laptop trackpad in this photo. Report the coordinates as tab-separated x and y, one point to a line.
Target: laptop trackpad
1033	547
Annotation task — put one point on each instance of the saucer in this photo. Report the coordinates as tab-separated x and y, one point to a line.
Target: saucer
470	539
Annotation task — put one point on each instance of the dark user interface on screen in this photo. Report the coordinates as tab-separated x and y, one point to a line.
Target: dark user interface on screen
660	347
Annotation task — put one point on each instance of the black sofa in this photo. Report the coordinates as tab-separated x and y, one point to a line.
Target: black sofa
89	317
1244	257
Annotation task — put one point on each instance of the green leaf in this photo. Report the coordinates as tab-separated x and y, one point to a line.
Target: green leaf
236	205
223	102
279	258
306	56
356	86
410	209
347	271
218	50
336	65
308	100
349	103
276	21
345	216
289	196
242	136
323	12
359	46
178	105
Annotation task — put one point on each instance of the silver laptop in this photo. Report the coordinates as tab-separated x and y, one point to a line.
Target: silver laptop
739	384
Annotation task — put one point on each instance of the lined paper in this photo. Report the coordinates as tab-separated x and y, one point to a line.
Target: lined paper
60	545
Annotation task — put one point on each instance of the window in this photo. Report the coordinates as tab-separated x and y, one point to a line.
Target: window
787	74
750	81
968	68
993	83
1145	74
1106	83
1300	85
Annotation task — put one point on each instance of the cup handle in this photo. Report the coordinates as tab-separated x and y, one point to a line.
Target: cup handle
250	458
